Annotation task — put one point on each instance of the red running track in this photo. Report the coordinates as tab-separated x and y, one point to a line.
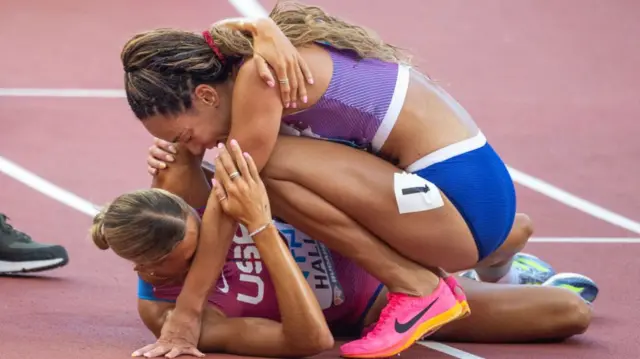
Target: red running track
552	83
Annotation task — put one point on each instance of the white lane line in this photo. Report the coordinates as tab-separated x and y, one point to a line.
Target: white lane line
456	353
47	188
249	8
574	201
73	93
585	240
526	180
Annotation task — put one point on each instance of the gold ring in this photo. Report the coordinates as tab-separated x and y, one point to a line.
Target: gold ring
284	81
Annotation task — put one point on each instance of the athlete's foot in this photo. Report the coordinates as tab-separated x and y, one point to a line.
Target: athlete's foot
525	269
531	269
583	286
405	320
19	253
459	294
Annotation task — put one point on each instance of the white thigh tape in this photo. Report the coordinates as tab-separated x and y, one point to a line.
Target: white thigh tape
415	194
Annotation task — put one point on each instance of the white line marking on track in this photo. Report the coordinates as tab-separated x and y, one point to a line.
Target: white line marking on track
585	240
518	176
47	188
73	93
574	201
456	353
249	8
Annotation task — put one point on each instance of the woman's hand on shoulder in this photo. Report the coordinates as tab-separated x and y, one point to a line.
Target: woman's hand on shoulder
239	188
273	49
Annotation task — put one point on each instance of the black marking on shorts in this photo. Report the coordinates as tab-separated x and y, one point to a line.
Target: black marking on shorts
412	190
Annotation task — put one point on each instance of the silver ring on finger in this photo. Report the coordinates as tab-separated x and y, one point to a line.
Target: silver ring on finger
234	175
284	81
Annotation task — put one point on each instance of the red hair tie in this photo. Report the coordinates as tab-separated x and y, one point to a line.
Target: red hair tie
212	45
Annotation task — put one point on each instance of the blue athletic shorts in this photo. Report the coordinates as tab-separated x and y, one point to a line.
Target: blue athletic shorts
476	181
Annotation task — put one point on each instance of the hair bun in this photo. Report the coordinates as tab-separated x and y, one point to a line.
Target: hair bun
97	231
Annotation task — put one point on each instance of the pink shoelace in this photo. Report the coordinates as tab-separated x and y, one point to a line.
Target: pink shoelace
393	301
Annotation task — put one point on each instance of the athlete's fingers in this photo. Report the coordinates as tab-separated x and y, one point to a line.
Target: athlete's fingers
161	154
226	160
252	167
305	70
174	352
241	163
292	75
165	145
221	175
263	70
281	74
155	163
143	350
220	194
224	167
160	350
302	88
184	351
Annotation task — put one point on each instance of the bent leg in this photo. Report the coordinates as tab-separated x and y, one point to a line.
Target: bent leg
362	186
505	313
498	264
317	218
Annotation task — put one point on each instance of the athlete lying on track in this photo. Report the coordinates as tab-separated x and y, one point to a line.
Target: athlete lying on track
453	210
262	304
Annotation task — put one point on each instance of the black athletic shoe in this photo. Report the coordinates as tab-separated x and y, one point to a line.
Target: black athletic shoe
19	253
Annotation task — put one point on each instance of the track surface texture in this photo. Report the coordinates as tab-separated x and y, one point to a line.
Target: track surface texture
553	84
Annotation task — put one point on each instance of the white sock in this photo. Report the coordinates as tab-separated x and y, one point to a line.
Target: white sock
495	274
512	277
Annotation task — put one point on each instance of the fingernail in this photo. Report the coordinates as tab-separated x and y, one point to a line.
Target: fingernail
234	143
221	145
304	99
170	158
310	81
172	149
246	154
163	165
294	105
135	354
213	181
286	105
270	83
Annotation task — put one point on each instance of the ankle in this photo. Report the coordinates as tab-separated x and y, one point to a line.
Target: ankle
494	273
418	284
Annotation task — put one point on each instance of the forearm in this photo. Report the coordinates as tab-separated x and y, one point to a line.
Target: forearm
216	233
302	318
229	335
186	179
